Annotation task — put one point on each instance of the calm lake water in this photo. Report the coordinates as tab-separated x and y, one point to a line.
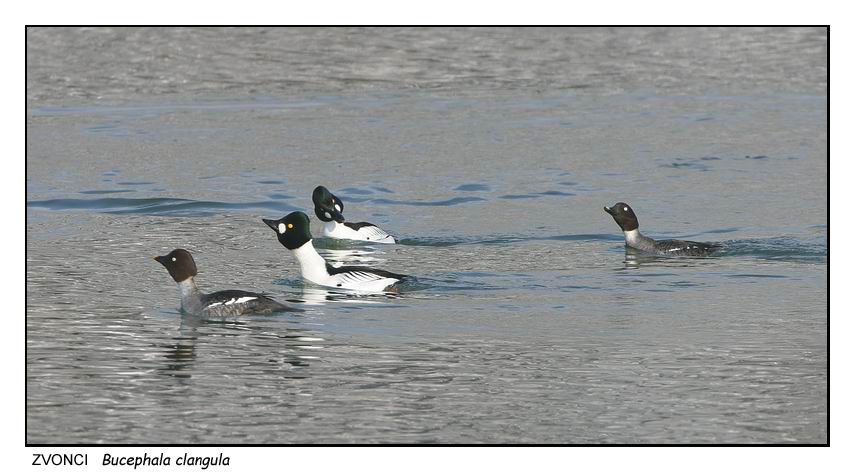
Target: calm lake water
490	153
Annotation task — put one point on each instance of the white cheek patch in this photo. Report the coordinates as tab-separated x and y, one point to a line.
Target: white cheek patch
282	228
625	209
337	208
174	259
327	214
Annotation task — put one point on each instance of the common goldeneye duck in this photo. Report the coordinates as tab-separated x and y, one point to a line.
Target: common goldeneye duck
182	268
329	209
293	232
626	219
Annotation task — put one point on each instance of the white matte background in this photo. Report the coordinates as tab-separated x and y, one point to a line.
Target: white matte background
15	456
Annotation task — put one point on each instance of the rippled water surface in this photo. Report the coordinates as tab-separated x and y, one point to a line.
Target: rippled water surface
490	154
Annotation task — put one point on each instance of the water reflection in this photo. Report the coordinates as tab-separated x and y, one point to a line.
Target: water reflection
312	294
635	259
288	345
318	295
180	357
351	256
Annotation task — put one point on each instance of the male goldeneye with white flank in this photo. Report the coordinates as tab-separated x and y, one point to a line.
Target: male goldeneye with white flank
625	218
329	209
182	268
293	232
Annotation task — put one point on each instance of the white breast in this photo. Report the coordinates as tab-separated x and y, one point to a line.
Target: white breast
632	237
313	268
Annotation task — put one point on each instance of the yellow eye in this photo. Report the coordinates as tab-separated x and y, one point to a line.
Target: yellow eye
290	225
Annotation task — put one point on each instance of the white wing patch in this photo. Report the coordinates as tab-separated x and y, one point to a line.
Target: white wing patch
683	248
231	301
362	281
240	300
358	276
373	233
364	233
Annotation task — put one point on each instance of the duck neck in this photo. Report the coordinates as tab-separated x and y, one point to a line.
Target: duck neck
191	297
313	267
635	239
330	227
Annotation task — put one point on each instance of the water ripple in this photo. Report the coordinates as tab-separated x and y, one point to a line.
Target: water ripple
156	206
449	202
782	248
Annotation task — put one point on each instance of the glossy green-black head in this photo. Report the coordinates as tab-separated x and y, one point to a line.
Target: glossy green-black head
292	230
179	263
328	207
623	215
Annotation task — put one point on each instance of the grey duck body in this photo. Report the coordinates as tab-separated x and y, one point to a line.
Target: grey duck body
226	303
628	222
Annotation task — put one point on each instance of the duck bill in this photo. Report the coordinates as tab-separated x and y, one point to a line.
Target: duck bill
272	223
609	210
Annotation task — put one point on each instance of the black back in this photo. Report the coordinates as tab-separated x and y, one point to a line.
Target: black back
356	226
